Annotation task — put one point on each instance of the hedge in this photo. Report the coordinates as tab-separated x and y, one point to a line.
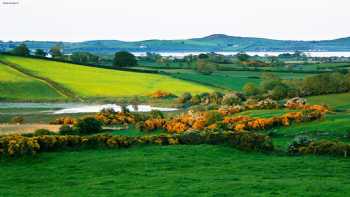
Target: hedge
17	145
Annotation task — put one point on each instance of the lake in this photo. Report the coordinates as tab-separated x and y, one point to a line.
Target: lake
73	108
313	54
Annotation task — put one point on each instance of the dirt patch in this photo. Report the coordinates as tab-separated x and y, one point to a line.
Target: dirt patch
25	128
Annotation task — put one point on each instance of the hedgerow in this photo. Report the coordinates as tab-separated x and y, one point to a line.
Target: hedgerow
17	145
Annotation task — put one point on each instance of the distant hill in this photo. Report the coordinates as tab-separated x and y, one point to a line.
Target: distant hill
212	43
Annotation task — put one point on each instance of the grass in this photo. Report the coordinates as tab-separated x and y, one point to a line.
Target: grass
15	85
232	80
89	82
202	170
335	101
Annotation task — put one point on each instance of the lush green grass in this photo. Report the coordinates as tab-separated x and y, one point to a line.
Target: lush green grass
201	170
234	80
335	101
95	82
15	85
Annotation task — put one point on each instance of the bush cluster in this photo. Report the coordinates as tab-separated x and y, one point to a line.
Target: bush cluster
17	145
323	147
246	123
64	121
110	117
162	94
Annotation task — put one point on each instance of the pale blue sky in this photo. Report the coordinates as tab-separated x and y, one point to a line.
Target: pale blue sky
77	20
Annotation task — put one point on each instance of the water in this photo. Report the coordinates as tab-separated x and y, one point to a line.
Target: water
73	108
117	108
269	53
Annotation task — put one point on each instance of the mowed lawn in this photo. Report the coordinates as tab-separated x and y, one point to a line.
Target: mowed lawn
15	85
97	82
201	170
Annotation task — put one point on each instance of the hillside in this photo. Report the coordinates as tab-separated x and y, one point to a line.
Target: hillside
216	42
89	82
15	85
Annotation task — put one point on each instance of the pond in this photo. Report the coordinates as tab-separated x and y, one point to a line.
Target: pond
73	108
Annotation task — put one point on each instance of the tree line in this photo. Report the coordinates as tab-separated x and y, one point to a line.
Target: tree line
273	86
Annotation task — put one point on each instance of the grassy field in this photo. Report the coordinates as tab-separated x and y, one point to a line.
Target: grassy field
88	82
15	85
337	101
234	80
201	170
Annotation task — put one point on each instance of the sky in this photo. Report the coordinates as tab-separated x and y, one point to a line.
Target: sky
131	20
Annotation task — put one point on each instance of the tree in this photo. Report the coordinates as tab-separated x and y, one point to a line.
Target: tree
203	56
205	67
124	58
21	50
84	58
250	89
55	52
279	92
88	125
40	53
242	57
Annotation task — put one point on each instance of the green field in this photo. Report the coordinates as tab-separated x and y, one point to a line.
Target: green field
233	80
338	101
89	82
15	85
201	170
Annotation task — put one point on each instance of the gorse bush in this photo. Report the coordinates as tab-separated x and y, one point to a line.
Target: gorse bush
17	145
64	120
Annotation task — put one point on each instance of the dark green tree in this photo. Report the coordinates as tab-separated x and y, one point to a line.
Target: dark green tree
40	53
242	57
124	58
21	50
56	52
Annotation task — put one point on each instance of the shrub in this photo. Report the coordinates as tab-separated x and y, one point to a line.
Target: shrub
64	120
151	125
17	145
192	137
17	120
88	125
185	97
67	130
231	99
162	94
156	114
297	142
113	118
323	147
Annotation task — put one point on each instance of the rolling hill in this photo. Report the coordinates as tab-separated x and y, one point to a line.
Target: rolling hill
212	43
76	81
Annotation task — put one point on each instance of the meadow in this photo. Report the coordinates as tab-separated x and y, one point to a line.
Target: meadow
176	170
88	82
182	170
229	80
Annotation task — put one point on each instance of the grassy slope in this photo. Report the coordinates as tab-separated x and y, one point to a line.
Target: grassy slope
202	170
95	82
15	85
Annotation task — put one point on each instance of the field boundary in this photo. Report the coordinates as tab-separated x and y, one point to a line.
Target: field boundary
54	85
